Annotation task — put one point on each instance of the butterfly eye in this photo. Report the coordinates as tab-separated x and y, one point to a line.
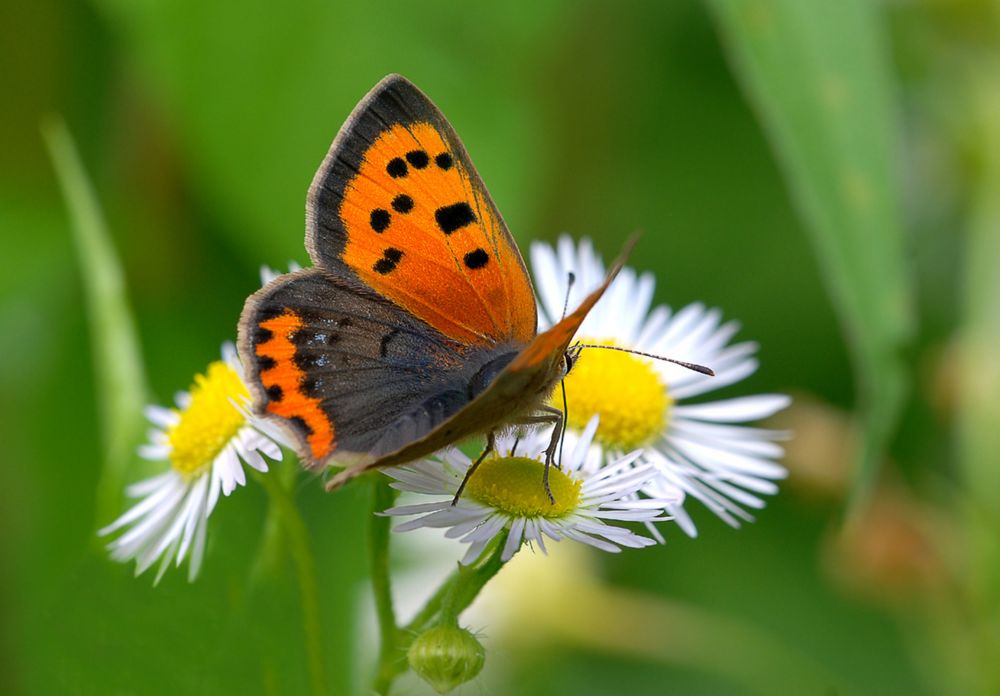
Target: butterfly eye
570	360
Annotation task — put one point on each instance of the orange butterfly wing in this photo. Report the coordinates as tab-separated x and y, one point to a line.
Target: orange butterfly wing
398	205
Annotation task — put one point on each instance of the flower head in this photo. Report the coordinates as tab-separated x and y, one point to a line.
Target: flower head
698	449
207	440
506	492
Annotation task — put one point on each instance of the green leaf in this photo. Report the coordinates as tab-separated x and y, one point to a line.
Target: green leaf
120	380
817	74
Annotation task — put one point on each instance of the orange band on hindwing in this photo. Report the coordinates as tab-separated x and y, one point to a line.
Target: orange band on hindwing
282	382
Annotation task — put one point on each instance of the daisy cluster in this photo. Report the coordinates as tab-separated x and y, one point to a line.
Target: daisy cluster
639	440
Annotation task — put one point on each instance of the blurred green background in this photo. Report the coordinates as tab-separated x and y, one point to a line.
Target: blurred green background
827	173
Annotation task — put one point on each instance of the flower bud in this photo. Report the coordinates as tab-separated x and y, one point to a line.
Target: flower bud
446	656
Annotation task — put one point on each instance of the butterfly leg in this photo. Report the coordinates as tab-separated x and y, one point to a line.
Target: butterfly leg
550	454
547	415
491	442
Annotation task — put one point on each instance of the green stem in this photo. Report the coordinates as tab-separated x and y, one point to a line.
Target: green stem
273	546
453	597
305	568
469	580
459	590
391	658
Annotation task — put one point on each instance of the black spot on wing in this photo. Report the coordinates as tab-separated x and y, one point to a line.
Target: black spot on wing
387	264
477	259
396	168
265	362
454	217
444	161
418	158
402	203
262	335
383	348
274	393
379	220
314	387
312	361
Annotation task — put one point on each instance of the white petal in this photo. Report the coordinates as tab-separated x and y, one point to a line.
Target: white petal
165	561
417	509
683	520
155	453
711	457
653	329
198	513
146	486
747	408
230	472
153	520
548	281
474	552
162	417
198	548
514	539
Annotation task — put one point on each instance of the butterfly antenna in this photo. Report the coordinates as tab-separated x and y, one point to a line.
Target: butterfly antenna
570	279
691	366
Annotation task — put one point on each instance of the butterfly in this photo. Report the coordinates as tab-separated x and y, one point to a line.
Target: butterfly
417	325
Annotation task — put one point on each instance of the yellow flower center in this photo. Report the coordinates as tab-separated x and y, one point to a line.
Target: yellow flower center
514	485
209	423
624	389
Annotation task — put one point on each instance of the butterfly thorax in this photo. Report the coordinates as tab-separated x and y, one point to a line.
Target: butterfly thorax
485	376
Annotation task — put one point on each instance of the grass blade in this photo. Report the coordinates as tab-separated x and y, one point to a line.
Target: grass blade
120	381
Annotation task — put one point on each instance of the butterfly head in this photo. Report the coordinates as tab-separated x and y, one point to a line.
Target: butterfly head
570	357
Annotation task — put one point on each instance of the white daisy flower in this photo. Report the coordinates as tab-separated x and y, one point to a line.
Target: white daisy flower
700	450
207	440
267	274
506	492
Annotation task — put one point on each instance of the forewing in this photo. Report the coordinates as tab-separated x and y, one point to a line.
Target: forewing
346	371
398	204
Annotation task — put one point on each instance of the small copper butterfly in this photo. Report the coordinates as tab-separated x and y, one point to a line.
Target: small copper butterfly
417	325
